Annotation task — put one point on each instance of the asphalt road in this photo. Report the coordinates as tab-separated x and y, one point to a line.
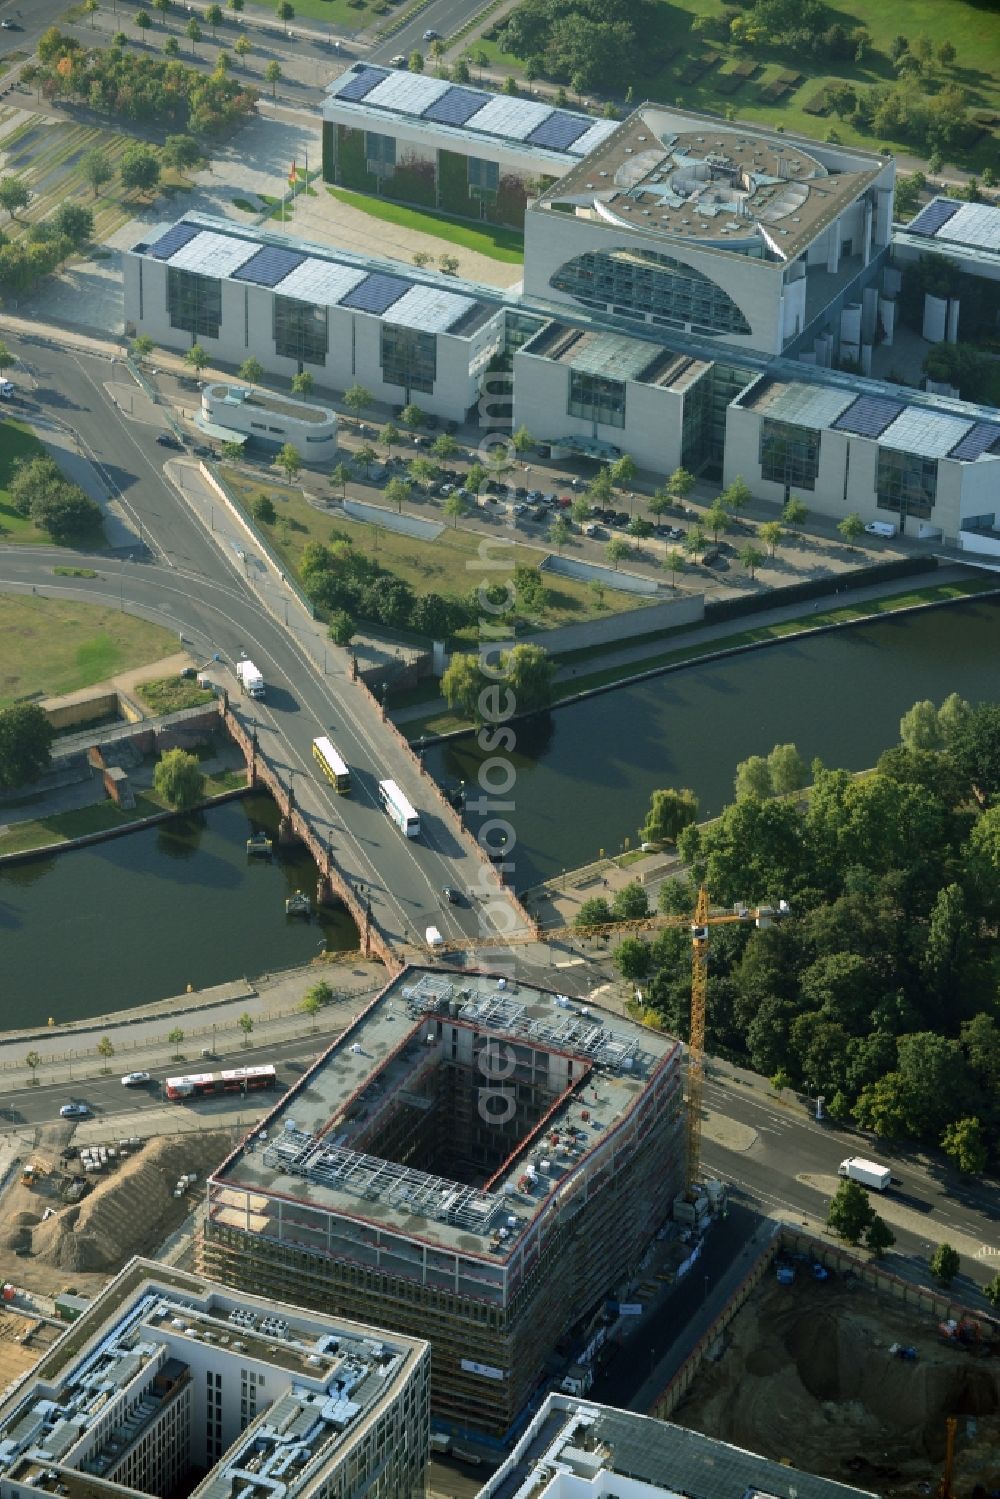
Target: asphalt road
444	16
185	582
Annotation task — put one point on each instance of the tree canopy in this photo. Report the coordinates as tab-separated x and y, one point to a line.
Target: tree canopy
25	743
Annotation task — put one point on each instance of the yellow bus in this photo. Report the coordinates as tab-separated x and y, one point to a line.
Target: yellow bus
333	766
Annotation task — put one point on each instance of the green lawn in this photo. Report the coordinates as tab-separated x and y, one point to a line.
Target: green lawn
17	443
339	15
171	694
53	646
449	565
496	242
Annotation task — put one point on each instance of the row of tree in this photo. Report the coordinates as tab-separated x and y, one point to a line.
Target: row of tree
39	489
340	580
879	990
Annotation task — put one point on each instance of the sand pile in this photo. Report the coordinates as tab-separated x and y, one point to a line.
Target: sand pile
132	1211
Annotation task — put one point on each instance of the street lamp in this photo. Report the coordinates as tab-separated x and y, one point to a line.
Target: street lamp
705	1297
121	575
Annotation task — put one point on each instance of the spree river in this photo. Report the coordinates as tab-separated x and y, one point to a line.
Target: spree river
585	772
140	917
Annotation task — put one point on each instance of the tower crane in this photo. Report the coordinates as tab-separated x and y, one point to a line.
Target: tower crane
704	918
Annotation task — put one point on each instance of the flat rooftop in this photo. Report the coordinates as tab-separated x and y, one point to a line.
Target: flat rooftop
616	356
311	1147
574	1438
951	221
476	115
264	400
213	247
721	185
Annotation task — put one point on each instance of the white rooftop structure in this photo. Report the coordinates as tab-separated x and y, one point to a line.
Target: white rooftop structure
954	222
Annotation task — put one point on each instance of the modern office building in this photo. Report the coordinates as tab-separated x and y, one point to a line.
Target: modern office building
474	1162
577	1449
468	151
240	413
170	1385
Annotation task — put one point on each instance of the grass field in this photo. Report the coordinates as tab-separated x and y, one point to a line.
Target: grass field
17	443
496	242
338	15
447	565
53	646
171	694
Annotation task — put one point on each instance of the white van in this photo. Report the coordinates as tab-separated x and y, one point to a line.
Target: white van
433	937
880	528
6	390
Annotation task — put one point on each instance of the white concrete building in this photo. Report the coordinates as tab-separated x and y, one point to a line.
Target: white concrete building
168	1383
577	1449
297	307
235	412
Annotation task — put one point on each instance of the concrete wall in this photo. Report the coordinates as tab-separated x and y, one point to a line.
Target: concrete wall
686	610
81	710
594	572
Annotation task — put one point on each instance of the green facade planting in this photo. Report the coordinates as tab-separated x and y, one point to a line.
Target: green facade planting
328	152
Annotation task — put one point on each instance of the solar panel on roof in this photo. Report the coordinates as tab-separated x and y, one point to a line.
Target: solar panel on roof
930	219
455	107
362	83
868	416
559	131
173	240
376	292
269	266
982	437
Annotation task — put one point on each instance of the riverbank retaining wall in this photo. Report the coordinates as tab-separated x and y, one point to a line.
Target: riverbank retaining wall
671	614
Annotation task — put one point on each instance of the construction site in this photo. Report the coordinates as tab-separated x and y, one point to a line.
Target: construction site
478	1163
851	1384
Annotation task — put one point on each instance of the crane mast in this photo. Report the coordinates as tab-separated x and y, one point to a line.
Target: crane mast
696	1037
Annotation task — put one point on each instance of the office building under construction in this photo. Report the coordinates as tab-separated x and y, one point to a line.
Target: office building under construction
472	1162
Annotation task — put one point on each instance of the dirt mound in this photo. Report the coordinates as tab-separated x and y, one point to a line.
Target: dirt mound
131	1212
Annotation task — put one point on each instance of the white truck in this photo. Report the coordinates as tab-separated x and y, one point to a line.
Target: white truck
881	528
250	679
867	1173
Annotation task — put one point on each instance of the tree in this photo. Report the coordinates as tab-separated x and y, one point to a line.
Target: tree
245	1023
455	507
751	557
252	371
975	748
179	780
421	258
737	495
528	673
285	11
945	1264
559	532
302	385
415	62
243	46
193	32
963	1141
139	168
341	474
850	528
633	959
753	779
232	451
182	152
389	438
176	1038
681	483
444	447
236	6
919	728
97	168
580	509
75	222
770	534
289	459
272	75
366	455
787	768
675	563
164	7
448	263
34	1061
413	416
992	1291
213	15
67	513
694	542
462	683
630	903
850	1212
475	478
143	20
616	550
397	492
91	7
670	811
262	509
105	1049
623	472
341	630
196	358
510	85
25	744
142	347
171	46
357	399
640	528
879	1236
794	512
716	518
422	471
14	195
593	912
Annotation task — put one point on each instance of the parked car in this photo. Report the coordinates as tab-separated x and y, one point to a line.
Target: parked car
710	556
75	1111
549	500
430	35
168	440
565	501
491	486
621	519
431	423
136	1079
445	490
520	493
577	483
399	61
534	495
675	533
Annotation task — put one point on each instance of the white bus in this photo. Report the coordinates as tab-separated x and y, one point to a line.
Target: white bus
399	809
332	764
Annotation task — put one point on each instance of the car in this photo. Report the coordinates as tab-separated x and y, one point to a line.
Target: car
430	35
451	895
534	495
465	494
549	500
565	501
7	391
675	533
621	519
399	61
136	1079
446	490
520	493
201	451
710	556
168	440
577	484
6	25
519	508
491	486
74	1111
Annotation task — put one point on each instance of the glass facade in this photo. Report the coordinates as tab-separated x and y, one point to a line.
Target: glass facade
643	285
906	483
194	302
596	399
409	358
380	153
789	455
301	330
484	177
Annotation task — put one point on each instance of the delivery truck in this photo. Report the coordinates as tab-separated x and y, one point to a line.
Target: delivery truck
250	679
867	1173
